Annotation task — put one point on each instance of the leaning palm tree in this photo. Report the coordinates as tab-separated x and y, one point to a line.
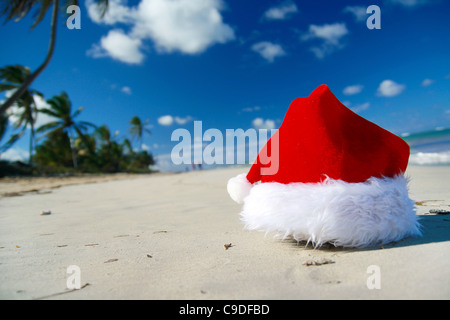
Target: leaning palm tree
11	78
27	118
138	128
3	126
61	109
17	9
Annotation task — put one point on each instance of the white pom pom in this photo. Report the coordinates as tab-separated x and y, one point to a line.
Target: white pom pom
239	187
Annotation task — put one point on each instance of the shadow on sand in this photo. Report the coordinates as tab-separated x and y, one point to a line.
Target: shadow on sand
435	228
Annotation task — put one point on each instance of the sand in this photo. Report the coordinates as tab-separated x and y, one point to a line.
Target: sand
163	237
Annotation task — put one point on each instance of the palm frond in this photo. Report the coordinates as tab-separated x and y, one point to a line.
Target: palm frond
84	138
103	133
87	124
77	112
13	139
102	6
45	4
60	105
49	112
35	92
7	87
14	74
17	9
69	3
127	143
49	126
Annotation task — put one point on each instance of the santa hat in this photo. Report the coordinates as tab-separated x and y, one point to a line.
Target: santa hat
328	175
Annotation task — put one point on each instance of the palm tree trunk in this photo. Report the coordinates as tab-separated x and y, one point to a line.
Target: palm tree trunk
36	73
72	148
30	160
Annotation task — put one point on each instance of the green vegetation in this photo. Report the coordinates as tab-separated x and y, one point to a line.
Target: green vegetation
66	144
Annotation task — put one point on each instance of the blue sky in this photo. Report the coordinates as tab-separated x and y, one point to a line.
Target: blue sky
239	63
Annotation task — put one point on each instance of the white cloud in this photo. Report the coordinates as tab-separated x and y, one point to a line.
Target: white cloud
346	103
321	51
268	50
41	118
260	123
351	90
182	25
166	120
281	12
359	12
251	109
330	33
389	88
119	46
187	26
118	12
330	36
15	154
126	89
427	82
182	121
360	107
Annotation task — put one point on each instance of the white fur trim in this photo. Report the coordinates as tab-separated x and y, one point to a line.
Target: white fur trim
377	211
239	187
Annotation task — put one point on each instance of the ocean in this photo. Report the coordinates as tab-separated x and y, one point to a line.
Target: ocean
429	147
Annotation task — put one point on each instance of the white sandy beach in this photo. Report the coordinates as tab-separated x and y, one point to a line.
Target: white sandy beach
163	237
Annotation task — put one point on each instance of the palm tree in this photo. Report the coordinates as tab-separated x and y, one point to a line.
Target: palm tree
103	134
11	78
3	125
126	144
12	139
17	9
110	154
61	109
27	118
138	128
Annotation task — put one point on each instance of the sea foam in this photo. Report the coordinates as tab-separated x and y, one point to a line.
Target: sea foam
430	158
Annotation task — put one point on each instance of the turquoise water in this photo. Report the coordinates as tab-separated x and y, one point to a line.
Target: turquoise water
429	147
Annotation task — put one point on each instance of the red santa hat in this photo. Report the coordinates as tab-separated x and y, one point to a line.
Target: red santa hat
328	175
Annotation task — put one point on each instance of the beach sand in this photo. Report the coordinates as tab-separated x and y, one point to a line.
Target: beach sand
163	237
